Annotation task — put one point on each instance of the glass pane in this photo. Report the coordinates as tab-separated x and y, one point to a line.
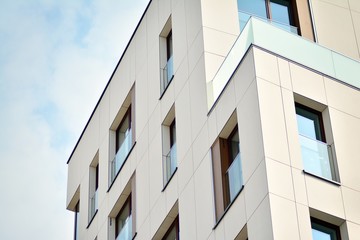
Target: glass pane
318	235
169	163
234	177
280	12
234	146
121	154
253	7
309	123
316	157
306	126
172	234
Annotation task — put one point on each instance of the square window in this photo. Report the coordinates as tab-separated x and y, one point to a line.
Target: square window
317	155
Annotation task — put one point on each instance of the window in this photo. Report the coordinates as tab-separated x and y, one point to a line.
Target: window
317	155
122	136
227	170
279	12
76	221
124	143
169	161
122	221
324	231
123	226
173	231
169	158
93	187
166	56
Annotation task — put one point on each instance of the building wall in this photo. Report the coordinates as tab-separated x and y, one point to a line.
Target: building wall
337	24
278	196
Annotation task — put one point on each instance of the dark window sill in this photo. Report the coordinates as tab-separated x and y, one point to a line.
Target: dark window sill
228	207
167	183
126	158
163	92
92	219
322	178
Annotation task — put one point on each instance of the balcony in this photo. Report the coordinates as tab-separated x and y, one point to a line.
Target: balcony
234	177
260	33
318	157
167	74
126	231
93	204
169	163
121	155
244	18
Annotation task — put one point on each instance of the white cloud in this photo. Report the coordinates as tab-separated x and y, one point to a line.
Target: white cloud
55	60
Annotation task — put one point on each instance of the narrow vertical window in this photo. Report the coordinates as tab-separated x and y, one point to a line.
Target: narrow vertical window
169	160
123	227
124	142
227	170
76	221
318	157
93	187
166	56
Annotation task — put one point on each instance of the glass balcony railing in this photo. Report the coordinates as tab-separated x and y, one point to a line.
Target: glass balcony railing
317	157
290	46
167	74
121	155
234	177
169	163
244	17
93	203
126	230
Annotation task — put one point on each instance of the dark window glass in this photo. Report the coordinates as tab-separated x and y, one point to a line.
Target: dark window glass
309	123
173	232
169	45
324	231
76	222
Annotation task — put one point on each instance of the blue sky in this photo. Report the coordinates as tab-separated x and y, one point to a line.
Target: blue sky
55	60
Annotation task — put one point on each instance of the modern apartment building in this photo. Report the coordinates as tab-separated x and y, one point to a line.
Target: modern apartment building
231	119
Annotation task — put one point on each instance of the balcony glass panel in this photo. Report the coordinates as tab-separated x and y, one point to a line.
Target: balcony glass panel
253	7
167	73
93	203
234	177
126	230
121	154
170	163
280	23
317	157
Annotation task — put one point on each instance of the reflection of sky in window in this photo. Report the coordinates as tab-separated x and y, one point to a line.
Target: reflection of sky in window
318	235
306	126
255	7
280	13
